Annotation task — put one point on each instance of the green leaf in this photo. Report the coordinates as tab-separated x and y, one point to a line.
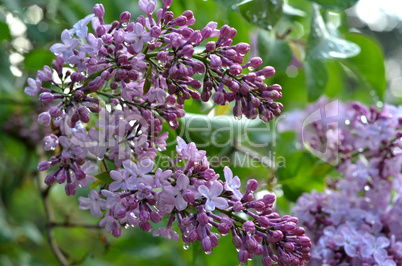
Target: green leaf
262	13
4	32
38	58
335	4
303	174
274	52
316	78
230	4
148	80
325	44
105	177
215	133
368	66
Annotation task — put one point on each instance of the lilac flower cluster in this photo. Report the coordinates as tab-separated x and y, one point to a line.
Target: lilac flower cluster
357	220
111	91
192	195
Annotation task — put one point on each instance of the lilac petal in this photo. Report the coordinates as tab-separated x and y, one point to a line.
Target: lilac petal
130	167
146	166
95	210
148	180
76	150
138	46
74	43
382	242
339	240
181	204
216	189
66	153
130	37
116	175
366	251
182	181
380	256
63	140
204	191
172	191
209	205
58	48
85	203
65	36
114	186
220	203
350	250
228	174
93	195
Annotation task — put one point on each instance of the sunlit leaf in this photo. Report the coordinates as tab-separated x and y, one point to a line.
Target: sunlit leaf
105	177
273	51
368	66
323	44
4	32
316	78
38	58
231	4
335	4
148	80
262	13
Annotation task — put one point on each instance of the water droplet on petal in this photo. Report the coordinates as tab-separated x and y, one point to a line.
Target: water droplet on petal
250	68
208	252
186	246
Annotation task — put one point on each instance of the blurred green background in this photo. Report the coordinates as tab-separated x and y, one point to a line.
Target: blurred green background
341	49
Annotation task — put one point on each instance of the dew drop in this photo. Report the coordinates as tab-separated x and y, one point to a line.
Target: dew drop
208	252
347	122
186	246
126	226
224	234
250	68
237	117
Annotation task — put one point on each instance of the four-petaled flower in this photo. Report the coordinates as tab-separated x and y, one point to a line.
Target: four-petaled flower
69	149
139	36
93	202
178	191
212	196
66	48
138	173
80	28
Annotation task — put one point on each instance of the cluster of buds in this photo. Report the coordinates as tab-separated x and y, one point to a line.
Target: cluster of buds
110	93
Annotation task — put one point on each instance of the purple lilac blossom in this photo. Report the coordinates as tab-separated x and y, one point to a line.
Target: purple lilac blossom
357	219
130	77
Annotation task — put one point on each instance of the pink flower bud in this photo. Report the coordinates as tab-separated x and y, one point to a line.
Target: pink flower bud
242	48
243	256
210	46
44	165
44	119
263	221
235	69
202	218
255	62
46	97
206	244
99	10
268	71
248	226
189	196
125	17
155	31
252	185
